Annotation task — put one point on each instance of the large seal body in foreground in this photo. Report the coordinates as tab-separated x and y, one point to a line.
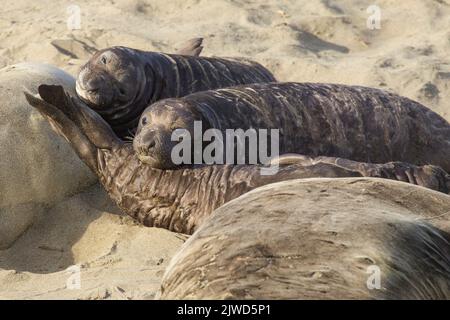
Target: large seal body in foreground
119	82
179	200
355	238
352	122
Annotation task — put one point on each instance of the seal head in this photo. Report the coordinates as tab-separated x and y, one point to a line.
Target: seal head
119	82
109	79
118	85
154	140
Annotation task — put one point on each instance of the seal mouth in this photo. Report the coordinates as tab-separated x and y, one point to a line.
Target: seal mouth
144	158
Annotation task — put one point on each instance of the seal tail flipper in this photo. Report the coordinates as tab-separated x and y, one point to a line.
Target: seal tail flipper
66	128
192	47
431	177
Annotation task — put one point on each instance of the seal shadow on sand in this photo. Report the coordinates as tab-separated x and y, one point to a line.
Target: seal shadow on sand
48	245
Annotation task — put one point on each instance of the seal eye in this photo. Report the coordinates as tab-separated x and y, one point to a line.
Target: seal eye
144	121
104	60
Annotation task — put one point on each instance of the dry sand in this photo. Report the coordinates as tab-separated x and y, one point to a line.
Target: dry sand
299	40
117	258
309	40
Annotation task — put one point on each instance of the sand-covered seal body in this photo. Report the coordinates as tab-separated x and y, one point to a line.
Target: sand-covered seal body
351	238
119	82
352	122
179	200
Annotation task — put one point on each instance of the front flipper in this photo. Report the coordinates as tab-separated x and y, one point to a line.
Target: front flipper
66	128
192	47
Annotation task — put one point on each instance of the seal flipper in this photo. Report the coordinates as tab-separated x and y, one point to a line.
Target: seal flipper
192	47
68	129
288	159
91	123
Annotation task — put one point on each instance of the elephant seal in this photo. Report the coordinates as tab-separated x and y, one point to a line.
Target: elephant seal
351	238
352	122
119	82
179	200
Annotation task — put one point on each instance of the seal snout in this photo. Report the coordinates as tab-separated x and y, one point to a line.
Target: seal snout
152	148
92	86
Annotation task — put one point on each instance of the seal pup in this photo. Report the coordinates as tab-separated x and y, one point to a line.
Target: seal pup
352	122
119	82
179	200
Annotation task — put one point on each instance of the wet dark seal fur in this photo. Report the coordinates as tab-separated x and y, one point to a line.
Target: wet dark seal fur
179	200
352	122
119	82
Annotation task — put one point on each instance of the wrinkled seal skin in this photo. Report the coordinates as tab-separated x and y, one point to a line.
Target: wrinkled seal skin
352	122
179	200
119	82
318	239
